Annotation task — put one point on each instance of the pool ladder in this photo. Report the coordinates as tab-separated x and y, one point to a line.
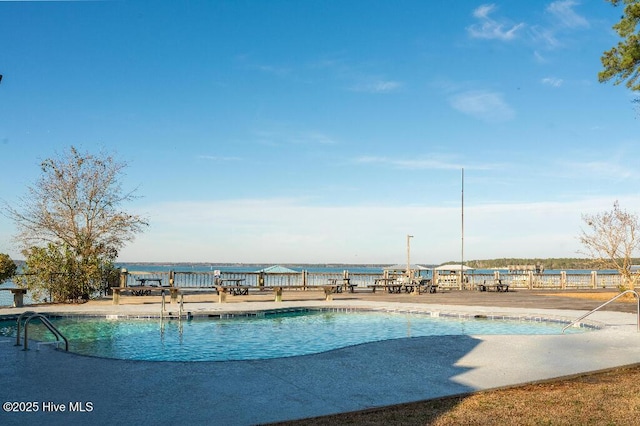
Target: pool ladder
45	321
181	312
605	304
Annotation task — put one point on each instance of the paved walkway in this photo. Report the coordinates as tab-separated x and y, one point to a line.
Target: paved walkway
105	391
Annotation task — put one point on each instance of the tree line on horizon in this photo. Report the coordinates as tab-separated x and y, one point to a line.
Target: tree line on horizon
548	263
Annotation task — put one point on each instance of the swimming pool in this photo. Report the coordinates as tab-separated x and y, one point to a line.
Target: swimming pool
265	335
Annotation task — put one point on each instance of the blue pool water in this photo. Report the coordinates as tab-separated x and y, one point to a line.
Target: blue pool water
270	336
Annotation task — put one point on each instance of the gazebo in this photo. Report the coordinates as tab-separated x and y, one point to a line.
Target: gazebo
449	275
276	269
402	269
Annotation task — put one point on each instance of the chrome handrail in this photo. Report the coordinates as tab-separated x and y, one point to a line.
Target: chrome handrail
605	304
163	308
18	325
44	320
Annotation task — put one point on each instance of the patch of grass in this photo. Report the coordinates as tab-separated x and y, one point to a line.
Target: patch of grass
600	296
604	398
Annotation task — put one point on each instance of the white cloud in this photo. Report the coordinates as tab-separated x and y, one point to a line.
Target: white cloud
563	11
602	170
564	18
378	86
411	164
552	81
433	163
287	136
489	28
484	105
292	231
483	11
539	57
218	158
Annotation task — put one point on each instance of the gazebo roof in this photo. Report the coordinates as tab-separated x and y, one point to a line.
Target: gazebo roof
403	267
276	269
452	267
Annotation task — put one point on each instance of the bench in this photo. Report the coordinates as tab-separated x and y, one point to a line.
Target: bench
18	296
427	286
143	291
394	285
236	290
496	286
329	290
224	290
390	288
346	284
390	285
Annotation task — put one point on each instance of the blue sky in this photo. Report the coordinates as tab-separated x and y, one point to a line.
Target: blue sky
327	131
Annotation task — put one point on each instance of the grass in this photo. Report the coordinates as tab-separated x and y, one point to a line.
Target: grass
605	398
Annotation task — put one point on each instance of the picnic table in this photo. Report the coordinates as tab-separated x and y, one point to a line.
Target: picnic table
391	285
346	284
497	286
143	291
142	282
233	286
427	285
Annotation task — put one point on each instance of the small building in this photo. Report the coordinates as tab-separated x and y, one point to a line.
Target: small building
401	269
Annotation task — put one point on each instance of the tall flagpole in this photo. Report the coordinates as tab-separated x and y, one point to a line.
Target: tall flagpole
409	257
462	250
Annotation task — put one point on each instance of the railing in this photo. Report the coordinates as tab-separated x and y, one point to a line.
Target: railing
181	313
45	321
531	281
605	304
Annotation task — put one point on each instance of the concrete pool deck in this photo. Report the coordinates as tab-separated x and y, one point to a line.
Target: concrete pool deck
348	379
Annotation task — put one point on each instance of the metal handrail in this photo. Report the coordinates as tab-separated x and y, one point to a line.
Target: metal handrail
605	304
44	320
163	308
18	323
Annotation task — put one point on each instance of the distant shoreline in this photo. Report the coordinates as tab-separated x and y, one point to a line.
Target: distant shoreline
241	264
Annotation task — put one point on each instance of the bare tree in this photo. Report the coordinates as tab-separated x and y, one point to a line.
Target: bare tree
74	209
611	240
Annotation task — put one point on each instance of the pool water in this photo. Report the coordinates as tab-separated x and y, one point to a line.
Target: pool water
269	336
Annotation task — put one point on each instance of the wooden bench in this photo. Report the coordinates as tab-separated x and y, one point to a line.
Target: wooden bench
329	290
18	296
236	290
143	291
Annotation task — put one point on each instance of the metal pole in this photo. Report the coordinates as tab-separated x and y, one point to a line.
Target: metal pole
409	257
462	249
